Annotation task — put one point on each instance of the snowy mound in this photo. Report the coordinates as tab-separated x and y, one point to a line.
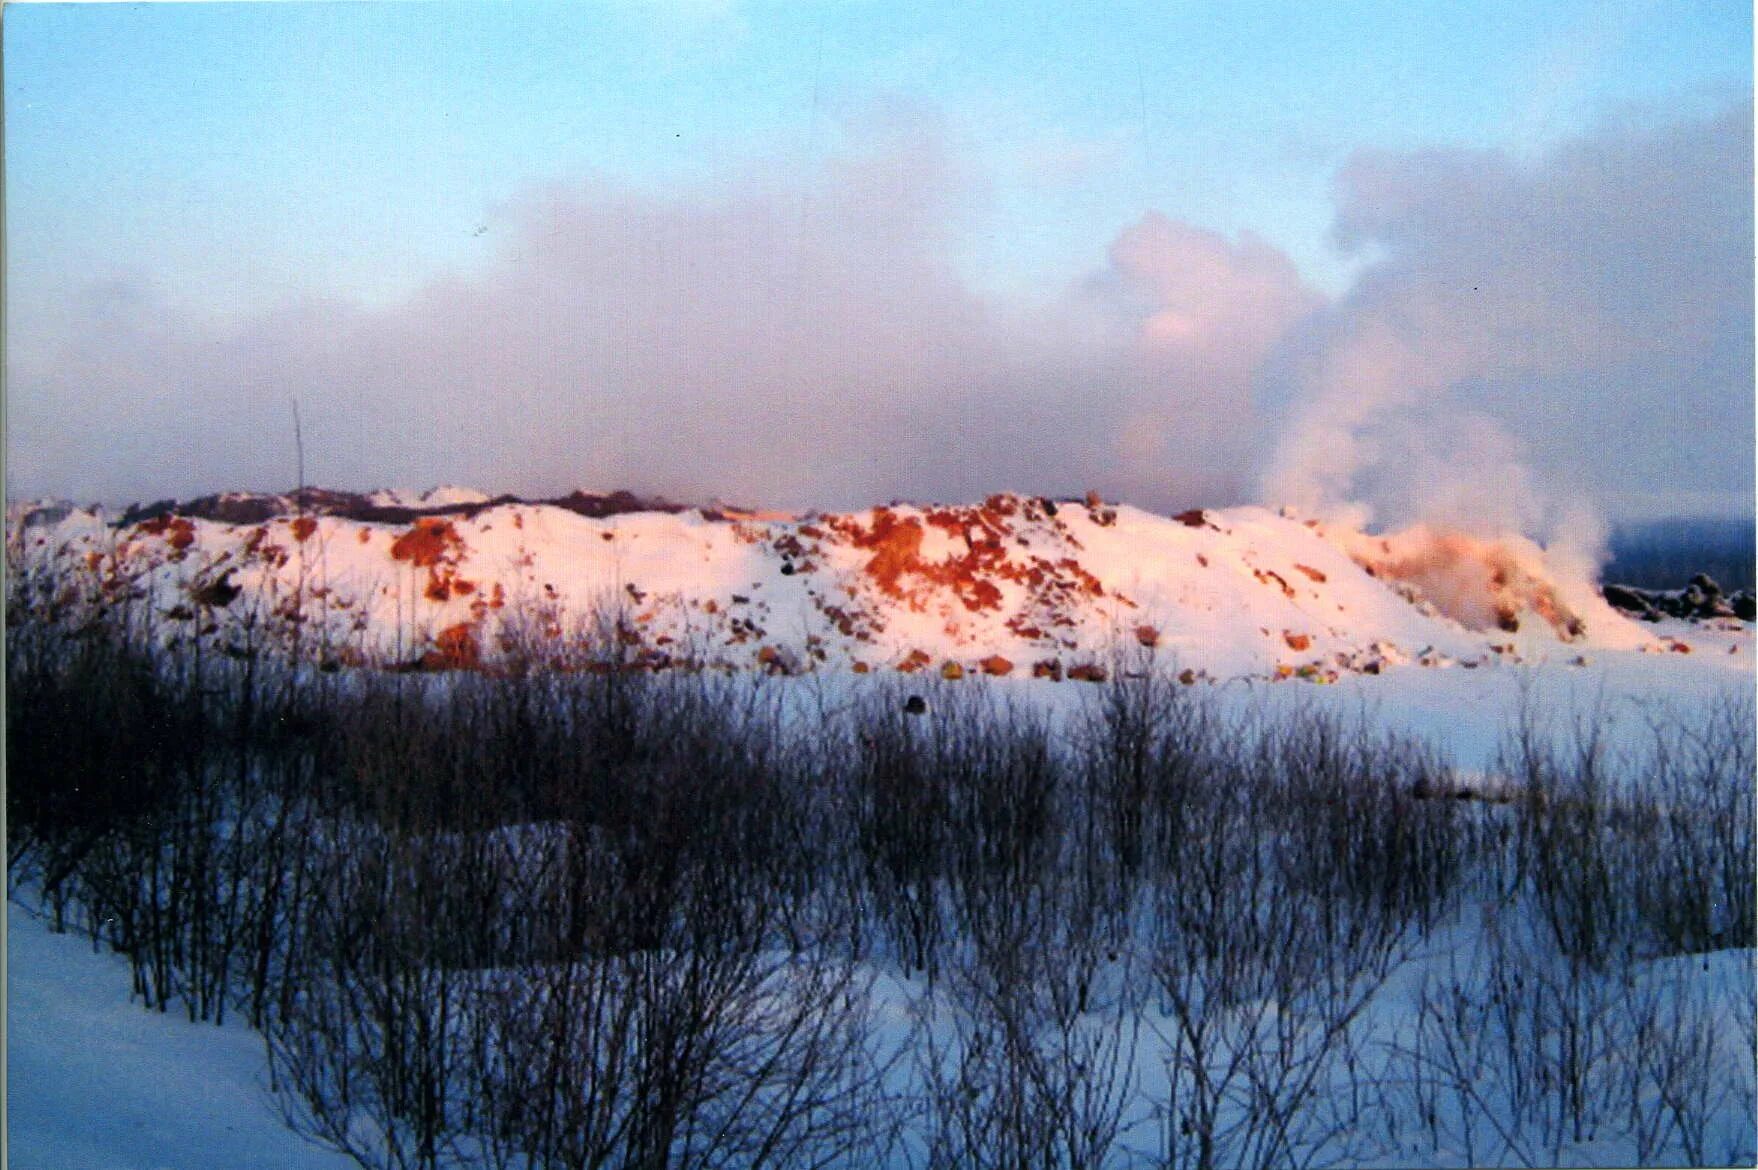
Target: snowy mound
1014	585
444	496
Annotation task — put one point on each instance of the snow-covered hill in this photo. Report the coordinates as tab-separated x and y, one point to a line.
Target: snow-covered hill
1012	586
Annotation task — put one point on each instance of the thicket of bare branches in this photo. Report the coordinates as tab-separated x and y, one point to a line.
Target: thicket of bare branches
577	915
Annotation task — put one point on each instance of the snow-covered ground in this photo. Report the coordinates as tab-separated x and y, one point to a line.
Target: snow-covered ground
94	1082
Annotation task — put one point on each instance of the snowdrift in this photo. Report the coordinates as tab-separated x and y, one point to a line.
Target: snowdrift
1014	585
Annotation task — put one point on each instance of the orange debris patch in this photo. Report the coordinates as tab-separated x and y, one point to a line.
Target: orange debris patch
1476	582
996	666
860	668
257	544
914	661
433	545
454	648
303	527
847	624
951	671
427	544
1311	572
1297	642
1147	636
1265	576
976	573
1087	672
1084	581
481	605
178	531
365	535
1049	668
896	546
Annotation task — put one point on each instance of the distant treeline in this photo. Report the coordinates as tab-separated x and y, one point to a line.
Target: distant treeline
1664	554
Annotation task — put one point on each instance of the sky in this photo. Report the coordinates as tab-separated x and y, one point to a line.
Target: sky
1483	263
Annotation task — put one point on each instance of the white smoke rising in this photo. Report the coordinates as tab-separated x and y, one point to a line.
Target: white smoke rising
1533	334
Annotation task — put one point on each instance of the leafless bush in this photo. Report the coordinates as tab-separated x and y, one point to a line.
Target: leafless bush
569	912
1028	1055
1303	871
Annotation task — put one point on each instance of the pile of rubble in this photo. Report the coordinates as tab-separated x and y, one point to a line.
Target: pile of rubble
1699	600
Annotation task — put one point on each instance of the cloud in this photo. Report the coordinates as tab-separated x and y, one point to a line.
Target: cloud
1530	331
1203	313
1526	332
774	336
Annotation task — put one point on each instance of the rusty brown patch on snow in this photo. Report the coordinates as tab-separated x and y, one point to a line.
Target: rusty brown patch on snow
427	544
1265	576
454	648
914	661
178	531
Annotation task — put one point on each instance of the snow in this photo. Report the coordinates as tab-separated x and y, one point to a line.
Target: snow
96	1082
446	495
1238	593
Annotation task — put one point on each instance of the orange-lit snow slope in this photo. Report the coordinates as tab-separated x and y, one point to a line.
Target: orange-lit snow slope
1012	586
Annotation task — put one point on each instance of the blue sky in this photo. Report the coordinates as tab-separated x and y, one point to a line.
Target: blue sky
219	166
236	150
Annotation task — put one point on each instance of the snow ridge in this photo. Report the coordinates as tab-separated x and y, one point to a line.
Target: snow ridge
1015	584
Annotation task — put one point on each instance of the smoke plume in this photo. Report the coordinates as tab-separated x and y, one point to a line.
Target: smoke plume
1527	337
1531	334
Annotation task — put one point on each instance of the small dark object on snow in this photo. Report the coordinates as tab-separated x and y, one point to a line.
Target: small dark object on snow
915	705
787	568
